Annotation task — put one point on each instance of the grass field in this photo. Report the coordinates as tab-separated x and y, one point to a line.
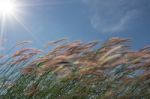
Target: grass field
76	70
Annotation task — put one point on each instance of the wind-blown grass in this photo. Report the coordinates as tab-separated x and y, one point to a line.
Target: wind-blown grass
76	70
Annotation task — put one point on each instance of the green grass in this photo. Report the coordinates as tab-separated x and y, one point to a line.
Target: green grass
76	70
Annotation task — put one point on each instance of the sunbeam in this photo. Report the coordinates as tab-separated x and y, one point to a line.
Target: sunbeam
26	28
46	3
12	9
2	29
2	26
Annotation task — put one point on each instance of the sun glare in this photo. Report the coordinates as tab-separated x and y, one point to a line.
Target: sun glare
12	10
7	7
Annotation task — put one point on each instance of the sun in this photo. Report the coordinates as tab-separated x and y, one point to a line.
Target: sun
14	11
7	7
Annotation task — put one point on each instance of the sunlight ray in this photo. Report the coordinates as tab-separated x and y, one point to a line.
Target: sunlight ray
43	4
2	29
2	33
27	29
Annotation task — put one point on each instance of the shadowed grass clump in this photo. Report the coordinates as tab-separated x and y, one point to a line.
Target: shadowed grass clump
76	70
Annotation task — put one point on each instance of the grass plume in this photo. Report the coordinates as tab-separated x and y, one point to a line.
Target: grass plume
77	70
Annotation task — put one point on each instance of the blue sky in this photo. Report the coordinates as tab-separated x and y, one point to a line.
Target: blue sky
45	20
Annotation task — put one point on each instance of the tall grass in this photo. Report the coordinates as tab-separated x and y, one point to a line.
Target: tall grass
76	70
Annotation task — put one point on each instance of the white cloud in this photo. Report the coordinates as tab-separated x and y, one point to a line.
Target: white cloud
109	16
112	25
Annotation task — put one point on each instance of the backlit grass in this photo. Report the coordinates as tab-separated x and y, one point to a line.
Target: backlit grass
76	70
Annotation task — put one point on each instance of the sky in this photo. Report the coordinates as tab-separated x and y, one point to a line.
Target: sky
46	20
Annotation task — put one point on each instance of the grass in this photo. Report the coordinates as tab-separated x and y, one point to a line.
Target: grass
76	70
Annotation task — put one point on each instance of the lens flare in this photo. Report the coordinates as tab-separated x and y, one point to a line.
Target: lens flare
7	7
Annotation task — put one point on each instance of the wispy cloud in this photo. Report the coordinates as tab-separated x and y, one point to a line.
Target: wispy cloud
109	16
